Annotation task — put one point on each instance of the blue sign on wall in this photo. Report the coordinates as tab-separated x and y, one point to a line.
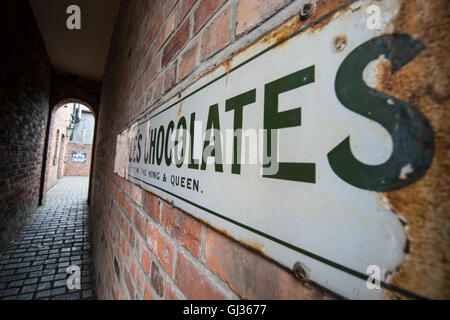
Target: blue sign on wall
79	157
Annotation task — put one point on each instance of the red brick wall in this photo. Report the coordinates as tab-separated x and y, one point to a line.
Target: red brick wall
76	168
55	163
143	247
24	95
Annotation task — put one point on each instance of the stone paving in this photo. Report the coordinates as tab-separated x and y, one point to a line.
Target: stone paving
54	237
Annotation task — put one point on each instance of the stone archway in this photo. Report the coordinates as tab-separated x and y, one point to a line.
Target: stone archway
66	89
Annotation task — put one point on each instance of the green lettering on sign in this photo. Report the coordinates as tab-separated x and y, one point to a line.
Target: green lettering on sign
213	128
411	133
274	120
237	104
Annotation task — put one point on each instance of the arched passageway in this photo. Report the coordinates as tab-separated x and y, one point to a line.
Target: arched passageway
69	143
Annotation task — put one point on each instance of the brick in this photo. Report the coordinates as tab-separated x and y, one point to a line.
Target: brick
161	247
149	56
169	293
123	223
170	77
139	280
146	261
129	284
175	44
248	274
57	130
123	294
158	5
135	193
23	124
168	29
139	107
125	248
205	11
169	4
158	88
151	205
137	91
133	267
43	294
157	20
141	223
216	35
87	294
184	8
152	71
157	280
28	296
193	283
188	60
252	12
131	236
126	205
115	292
148	97
148	294
183	228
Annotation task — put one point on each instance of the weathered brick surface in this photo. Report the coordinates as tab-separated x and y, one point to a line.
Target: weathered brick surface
157	280
183	228
144	247
146	261
184	8
252	12
169	293
148	292
24	96
170	77
216	36
58	145
129	285
68	88
169	27
161	247
205	11
176	43
188	60
141	223
249	274
151	205
193	283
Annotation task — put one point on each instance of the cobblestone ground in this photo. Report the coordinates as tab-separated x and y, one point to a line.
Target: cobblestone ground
54	237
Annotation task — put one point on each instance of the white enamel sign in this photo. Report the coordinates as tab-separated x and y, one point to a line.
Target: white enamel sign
289	151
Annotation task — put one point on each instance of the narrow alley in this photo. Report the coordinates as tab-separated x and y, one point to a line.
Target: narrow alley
53	238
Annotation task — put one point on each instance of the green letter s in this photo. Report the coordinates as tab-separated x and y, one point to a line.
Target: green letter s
412	135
